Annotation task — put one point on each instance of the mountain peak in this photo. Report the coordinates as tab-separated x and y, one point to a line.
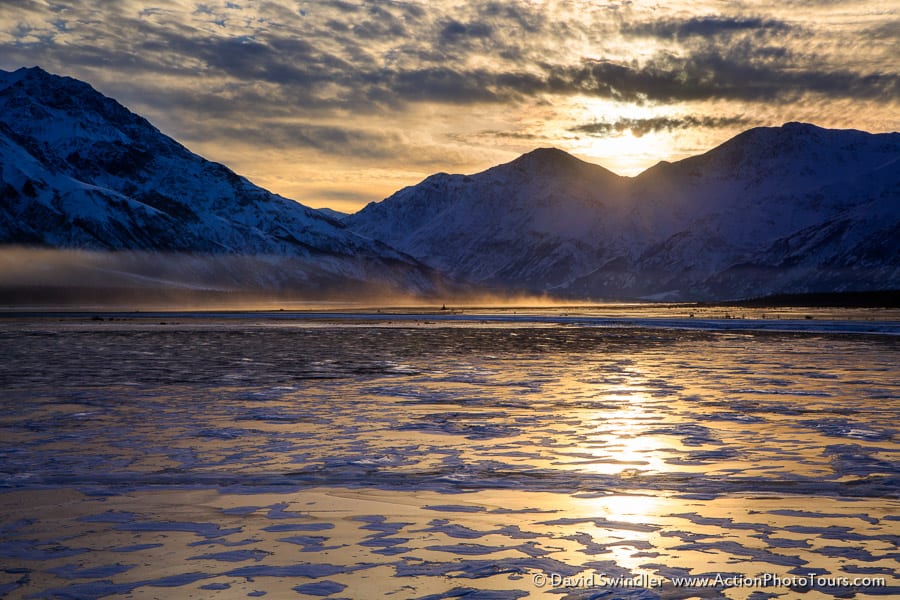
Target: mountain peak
774	209
38	76
796	130
21	72
553	161
80	170
800	127
803	151
57	103
550	153
547	157
8	78
35	71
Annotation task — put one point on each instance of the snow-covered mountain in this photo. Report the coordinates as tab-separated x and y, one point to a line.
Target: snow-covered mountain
787	209
527	223
332	214
773	210
78	170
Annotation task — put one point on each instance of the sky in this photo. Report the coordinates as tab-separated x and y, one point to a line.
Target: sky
339	103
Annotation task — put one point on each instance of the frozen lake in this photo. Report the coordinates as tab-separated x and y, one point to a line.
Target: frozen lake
479	454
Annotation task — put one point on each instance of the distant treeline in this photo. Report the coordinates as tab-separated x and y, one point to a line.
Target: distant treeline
873	299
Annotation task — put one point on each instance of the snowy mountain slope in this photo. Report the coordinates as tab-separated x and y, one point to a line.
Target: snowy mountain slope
855	248
783	209
332	214
531	220
78	170
851	244
749	183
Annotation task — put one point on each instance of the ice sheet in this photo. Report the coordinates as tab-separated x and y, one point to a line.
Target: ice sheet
236	457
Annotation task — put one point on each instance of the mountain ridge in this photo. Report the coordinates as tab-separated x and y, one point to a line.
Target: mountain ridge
79	170
703	228
790	209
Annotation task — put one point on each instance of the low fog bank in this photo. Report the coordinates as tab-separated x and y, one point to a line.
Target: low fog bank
47	278
43	279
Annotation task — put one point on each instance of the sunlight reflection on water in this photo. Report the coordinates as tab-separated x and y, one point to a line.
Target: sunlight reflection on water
427	459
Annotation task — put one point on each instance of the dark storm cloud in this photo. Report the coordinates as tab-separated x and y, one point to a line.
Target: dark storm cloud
708	26
640	127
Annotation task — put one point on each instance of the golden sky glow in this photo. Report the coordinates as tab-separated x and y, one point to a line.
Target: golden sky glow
341	102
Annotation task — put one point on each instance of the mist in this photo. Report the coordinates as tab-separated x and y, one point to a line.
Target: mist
45	279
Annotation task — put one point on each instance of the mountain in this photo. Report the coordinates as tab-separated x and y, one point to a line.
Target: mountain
786	209
80	171
111	201
530	223
332	214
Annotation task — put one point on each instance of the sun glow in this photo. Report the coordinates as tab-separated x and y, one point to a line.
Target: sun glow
625	153
609	134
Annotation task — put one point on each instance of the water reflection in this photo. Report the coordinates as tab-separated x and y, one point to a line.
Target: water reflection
423	459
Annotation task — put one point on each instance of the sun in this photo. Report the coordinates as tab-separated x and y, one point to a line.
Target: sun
613	144
624	152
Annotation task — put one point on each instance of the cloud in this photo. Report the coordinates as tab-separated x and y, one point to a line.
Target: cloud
397	82
888	31
381	55
514	135
640	127
706	26
738	71
330	139
453	31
